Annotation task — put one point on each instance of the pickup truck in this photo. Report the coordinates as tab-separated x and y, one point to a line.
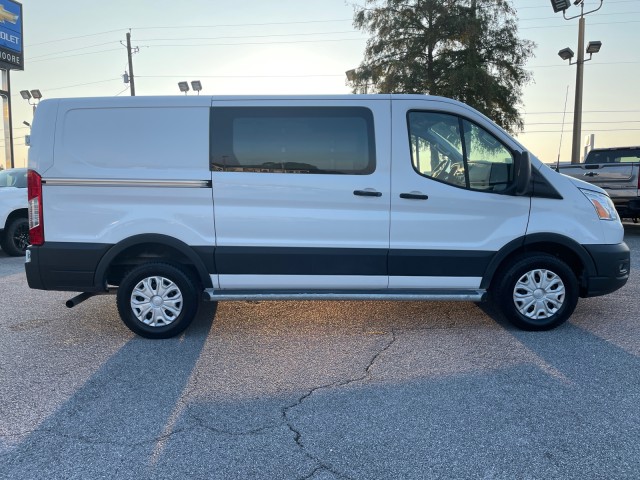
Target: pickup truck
14	223
617	170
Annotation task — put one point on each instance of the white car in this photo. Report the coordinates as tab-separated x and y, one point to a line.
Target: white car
14	223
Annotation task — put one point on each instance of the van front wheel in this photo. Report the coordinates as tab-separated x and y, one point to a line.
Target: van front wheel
537	292
157	300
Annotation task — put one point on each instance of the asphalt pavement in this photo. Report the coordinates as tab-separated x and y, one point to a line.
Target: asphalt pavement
318	390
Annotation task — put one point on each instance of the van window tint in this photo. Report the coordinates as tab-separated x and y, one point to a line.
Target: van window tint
320	140
456	151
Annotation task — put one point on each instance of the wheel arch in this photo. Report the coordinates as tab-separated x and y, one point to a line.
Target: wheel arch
19	213
565	248
153	247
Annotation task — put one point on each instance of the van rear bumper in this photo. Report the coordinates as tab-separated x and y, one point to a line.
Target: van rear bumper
612	264
64	266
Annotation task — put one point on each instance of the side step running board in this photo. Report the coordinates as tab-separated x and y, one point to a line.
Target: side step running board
474	295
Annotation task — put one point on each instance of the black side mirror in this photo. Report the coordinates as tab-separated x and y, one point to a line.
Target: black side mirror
522	173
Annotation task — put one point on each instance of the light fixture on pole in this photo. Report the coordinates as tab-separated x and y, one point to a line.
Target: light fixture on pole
184	87
560	5
594	47
352	76
35	94
567	54
196	86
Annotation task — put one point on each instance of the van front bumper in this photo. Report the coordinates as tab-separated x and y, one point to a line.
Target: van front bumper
612	264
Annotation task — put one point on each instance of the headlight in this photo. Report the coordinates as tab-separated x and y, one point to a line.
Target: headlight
602	203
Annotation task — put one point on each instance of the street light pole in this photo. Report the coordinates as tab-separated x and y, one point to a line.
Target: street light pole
577	111
567	54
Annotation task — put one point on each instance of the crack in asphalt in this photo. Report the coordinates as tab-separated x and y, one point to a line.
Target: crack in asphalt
297	435
182	405
202	423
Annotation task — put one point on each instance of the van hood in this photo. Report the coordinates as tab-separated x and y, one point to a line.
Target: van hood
585	185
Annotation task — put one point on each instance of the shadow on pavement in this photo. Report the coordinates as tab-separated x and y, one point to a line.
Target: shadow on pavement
125	405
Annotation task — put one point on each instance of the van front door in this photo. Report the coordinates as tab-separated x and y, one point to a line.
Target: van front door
301	193
451	209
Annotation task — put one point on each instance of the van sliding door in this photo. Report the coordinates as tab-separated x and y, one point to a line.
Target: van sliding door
301	194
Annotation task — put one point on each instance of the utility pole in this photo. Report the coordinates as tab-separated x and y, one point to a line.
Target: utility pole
132	84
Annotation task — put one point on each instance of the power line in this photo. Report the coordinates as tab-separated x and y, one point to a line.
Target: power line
244	36
583	111
254	43
77	85
565	25
590	130
592	64
184	27
71	50
609	2
553	18
240	76
591	123
77	55
74	38
188	39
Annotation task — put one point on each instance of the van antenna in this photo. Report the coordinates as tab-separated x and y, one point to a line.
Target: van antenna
564	114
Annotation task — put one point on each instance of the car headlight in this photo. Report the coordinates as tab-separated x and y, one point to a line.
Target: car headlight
605	208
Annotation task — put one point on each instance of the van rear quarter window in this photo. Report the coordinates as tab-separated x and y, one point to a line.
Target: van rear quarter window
136	142
315	140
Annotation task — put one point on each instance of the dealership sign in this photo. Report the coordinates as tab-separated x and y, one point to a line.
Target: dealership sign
11	48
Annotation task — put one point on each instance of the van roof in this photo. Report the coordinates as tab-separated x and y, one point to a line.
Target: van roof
195	100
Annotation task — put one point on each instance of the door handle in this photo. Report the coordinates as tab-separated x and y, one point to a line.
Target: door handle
367	193
414	196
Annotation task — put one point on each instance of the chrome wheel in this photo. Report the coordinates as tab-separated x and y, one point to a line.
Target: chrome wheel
539	294
156	301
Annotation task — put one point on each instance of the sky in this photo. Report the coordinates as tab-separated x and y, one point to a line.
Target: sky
77	49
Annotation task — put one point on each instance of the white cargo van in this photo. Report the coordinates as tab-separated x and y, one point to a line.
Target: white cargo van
373	197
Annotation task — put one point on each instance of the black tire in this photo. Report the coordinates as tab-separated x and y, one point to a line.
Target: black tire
168	306
536	292
16	237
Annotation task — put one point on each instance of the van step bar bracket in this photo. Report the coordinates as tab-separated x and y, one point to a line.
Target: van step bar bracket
472	295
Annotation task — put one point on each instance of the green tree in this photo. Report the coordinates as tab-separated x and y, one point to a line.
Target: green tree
468	50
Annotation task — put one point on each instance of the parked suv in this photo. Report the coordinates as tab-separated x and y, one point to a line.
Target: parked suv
14	223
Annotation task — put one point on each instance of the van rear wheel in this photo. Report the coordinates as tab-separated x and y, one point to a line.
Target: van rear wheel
537	292
157	300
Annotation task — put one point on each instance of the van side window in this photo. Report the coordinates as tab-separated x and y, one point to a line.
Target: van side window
453	150
317	140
